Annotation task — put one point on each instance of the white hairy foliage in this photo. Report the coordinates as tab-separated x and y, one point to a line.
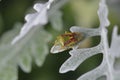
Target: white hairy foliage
31	43
32	20
109	68
25	46
23	52
44	11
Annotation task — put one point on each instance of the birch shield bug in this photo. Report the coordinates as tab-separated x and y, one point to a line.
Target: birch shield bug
66	41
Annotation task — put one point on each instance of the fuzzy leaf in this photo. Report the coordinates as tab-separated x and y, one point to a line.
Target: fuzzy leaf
115	46
110	66
109	69
103	14
79	55
9	72
38	18
74	61
34	44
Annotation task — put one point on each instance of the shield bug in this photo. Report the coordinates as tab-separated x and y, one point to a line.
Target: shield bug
66	41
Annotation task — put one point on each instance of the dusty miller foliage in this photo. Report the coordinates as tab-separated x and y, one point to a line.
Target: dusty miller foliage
109	69
20	50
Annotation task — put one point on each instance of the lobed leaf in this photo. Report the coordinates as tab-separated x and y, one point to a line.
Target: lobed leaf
38	18
103	14
77	57
21	53
109	69
115	43
98	73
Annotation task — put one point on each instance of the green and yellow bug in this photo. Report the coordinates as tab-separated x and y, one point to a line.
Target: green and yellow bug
66	41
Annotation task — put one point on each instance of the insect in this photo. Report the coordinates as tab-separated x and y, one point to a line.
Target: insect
66	41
